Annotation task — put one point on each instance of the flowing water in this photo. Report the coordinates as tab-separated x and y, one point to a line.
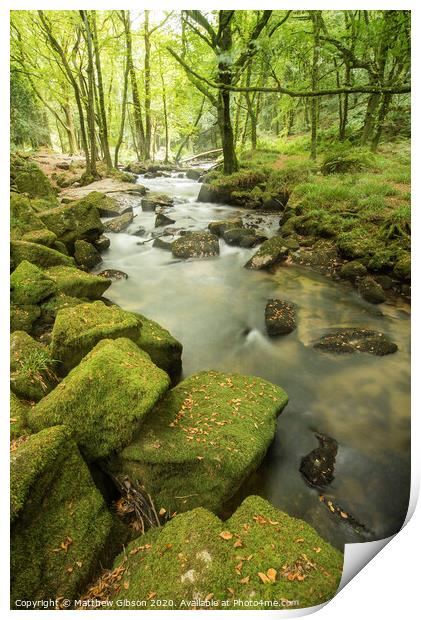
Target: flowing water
215	307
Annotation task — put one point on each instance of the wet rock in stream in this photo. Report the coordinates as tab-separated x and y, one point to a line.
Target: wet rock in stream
318	466
154	200
196	245
113	274
352	340
279	317
163	220
119	224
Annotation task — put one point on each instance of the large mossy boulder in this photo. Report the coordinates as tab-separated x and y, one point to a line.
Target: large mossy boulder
23	317
30	285
86	254
79	328
165	350
218	227
43	236
104	400
270	253
76	283
260	557
37	254
28	178
203	439
50	307
106	205
196	245
18	418
60	523
353	340
32	369
154	200
23	218
77	220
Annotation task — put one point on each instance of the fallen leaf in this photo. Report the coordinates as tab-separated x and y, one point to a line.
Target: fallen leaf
209	596
317	549
344	515
162	511
271	573
126	585
150	595
245	579
231	591
264	578
299	540
226	535
238	543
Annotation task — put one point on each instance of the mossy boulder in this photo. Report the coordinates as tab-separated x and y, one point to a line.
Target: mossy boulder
243	237
60	523
104	400
18	415
23	317
29	284
32	369
77	220
352	270
220	226
120	223
102	243
203	439
79	328
353	340
371	291
76	283
196	245
154	200
165	350
28	178
259	555
37	254
42	236
86	254
270	253
402	268
50	307
106	205
23	218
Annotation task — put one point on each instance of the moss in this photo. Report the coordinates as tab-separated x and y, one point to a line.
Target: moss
29	284
31	366
105	204
165	351
52	305
29	179
18	416
78	220
402	268
38	254
196	245
22	317
60	521
42	236
199	564
352	270
86	254
79	328
203	439
76	283
23	218
219	227
270	253
104	400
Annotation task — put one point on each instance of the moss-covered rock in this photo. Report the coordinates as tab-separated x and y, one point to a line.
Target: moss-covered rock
243	237
402	268
29	284
42	236
259	555
104	400
28	178
154	200
196	245
18	416
102	243
77	220
203	439
120	223
23	218
86	254
279	317
79	328
107	206
270	253
23	317
76	283
220	226
352	340
32	369
352	270
165	351
52	305
371	291
37	254
60	523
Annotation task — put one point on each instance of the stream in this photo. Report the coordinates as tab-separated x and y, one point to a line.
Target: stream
215	307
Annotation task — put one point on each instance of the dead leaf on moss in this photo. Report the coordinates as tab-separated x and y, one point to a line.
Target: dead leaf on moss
271	573
263	577
245	579
226	535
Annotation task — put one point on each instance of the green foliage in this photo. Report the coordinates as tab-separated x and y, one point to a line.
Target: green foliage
27	125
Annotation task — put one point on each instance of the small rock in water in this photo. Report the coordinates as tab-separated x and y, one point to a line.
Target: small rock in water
163	220
163	245
113	274
196	245
118	224
270	253
319	465
371	291
219	227
86	254
102	243
279	317
352	340
139	232
154	200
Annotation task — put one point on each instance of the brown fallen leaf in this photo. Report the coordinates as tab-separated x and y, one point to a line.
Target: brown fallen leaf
299	540
231	591
344	515
263	577
245	579
271	574
209	596
317	549
150	595
162	511
238	543
126	585
226	535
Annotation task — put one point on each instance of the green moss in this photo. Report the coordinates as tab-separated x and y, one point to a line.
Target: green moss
402	268
86	254
31	366
42	236
60	521
23	317
78	329
203	439
270	253
29	179
29	284
104	400
78	220
18	416
200	565
23	218
38	254
165	351
76	283
219	227
52	305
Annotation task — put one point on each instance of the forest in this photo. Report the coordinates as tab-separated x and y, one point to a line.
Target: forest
210	243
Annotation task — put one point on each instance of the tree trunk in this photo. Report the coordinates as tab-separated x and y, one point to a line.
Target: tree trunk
164	106
370	115
70	129
123	115
223	108
315	17
103	115
91	170
384	109
148	122
137	111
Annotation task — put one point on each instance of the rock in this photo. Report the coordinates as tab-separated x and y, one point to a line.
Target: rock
136	168
319	465
29	179
102	243
76	283
113	274
351	340
78	329
106	186
30	285
32	369
106	205
276	202
385	281
164	350
279	317
52	305
154	200
322	258
23	317
225	556
218	228
163	245
203	440
118	224
86	254
42	236
402	269
244	237
63	165
163	220
139	232
271	252
104	400
127	177
196	245
210	193
37	254
59	519
24	218
18	413
352	270
77	220
371	291
194	173
291	243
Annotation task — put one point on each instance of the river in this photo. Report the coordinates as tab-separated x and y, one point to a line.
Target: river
215	307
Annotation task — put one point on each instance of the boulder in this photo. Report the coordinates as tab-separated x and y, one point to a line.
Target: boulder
28	178
194	173
257	556
18	414
76	283
219	227
352	270
106	205
60	523
351	340
86	255
32	369
163	220
203	440
162	244
78	329
120	223
37	254
104	400
164	350
49	307
279	317
30	285
77	220
196	245
23	218
270	253
371	291
318	466
102	243
154	200
23	317
43	236
402	269
244	237
113	274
